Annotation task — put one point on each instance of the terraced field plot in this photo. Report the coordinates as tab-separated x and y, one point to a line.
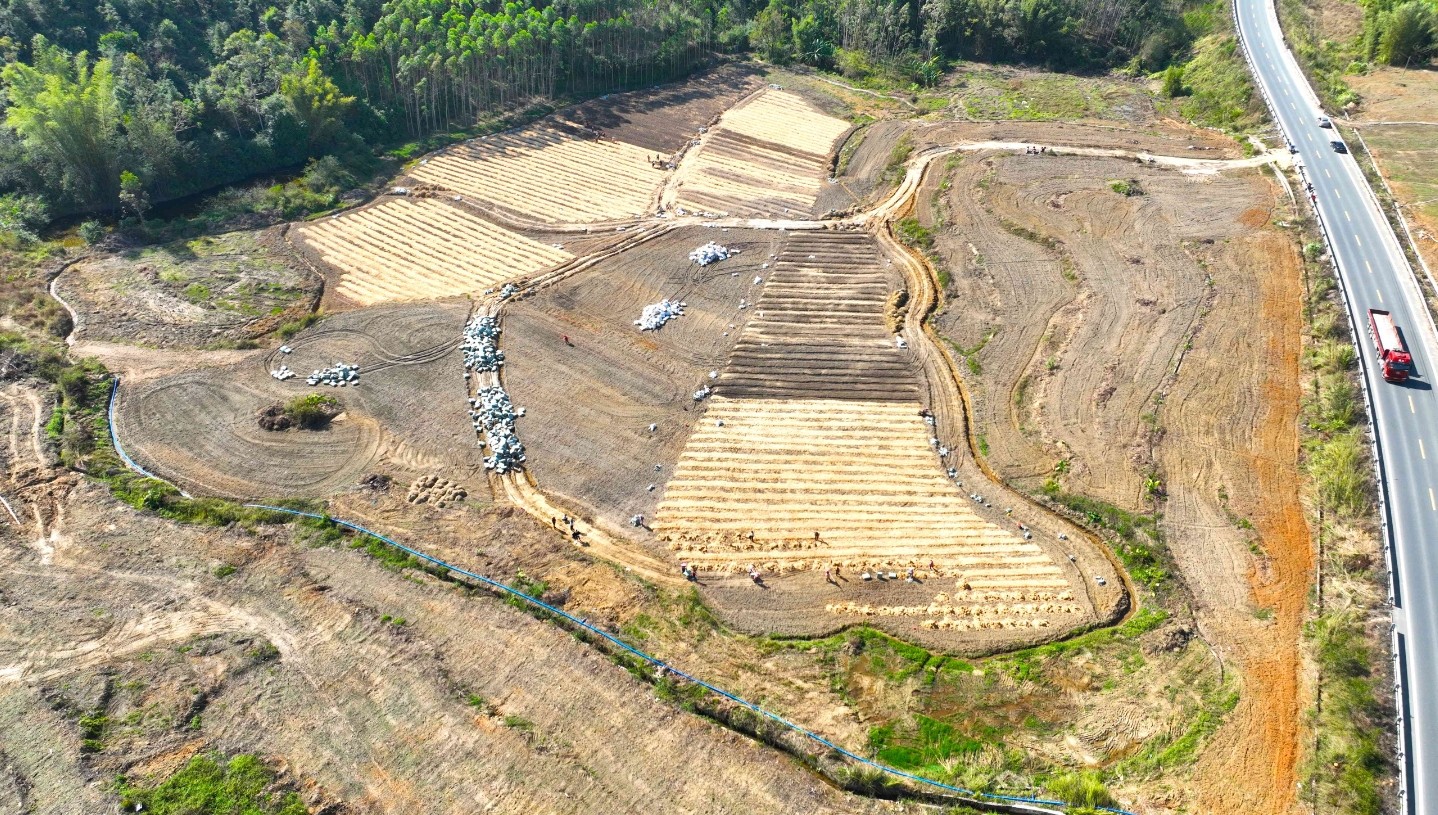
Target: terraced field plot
832	482
421	248
548	174
819	329
767	156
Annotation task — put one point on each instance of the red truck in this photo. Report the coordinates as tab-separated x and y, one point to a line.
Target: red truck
1392	353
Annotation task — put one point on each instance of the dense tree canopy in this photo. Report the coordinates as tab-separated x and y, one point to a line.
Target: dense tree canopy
187	95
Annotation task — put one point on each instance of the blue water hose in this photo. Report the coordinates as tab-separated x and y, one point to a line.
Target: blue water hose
658	663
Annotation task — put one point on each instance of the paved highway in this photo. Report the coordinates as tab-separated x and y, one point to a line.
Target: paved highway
1375	274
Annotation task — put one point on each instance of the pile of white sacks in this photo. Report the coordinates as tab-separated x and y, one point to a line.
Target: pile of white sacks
710	252
656	315
493	414
480	345
336	376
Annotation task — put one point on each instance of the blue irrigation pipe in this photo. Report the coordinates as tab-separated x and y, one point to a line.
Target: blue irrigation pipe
115	440
658	663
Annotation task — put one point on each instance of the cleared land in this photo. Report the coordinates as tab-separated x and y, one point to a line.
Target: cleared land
767	156
1407	155
215	289
1149	335
421	248
666	119
1076	302
549	174
589	405
199	428
377	691
820	327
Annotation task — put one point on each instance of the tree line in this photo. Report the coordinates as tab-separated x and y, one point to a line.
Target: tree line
109	105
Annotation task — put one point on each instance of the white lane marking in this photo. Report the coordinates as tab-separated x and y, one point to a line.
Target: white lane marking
1421	451
1411	409
1291	105
1357	240
1346	215
1370	271
1337	194
1326	173
1433	502
1380	295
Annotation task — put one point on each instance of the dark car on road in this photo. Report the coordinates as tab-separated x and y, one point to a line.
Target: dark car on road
1338	146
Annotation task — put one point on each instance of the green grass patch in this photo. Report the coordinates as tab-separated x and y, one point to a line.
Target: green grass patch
894	168
205	786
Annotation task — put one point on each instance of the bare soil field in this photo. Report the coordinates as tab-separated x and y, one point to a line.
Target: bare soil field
769	155
1150	335
372	690
589	405
189	294
200	430
547	173
862	179
666	119
820	327
420	248
1077	302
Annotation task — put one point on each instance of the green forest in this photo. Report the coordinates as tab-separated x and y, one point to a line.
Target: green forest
113	106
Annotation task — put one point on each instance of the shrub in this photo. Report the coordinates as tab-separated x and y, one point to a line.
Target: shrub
312	411
1085	789
1342	474
92	232
916	234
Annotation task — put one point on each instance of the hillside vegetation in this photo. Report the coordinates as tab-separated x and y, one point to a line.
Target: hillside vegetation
114	106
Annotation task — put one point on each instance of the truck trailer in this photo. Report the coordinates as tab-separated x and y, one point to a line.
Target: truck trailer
1393	355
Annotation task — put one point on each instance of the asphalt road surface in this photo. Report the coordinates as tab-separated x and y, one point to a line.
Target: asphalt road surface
1376	274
